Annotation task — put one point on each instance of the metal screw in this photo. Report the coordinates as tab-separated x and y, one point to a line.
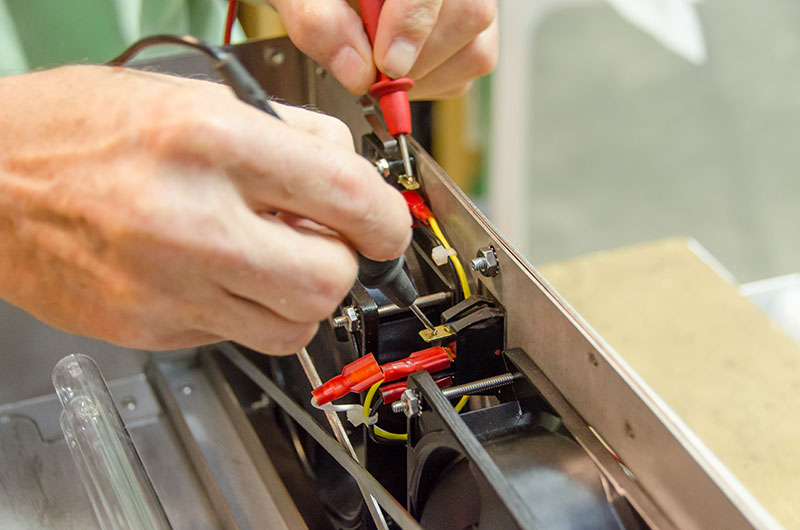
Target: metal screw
392	309
383	167
349	319
129	404
467	388
485	262
274	56
409	403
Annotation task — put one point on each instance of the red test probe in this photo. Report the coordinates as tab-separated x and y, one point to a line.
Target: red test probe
392	94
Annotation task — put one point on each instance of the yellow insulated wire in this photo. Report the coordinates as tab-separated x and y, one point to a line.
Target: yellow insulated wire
377	430
393	435
388	435
462	276
370	395
461	403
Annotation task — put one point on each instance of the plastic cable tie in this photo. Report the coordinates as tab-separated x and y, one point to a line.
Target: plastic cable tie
356	417
330	407
440	254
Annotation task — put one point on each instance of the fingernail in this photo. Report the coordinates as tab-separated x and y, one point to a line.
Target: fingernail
400	58
349	67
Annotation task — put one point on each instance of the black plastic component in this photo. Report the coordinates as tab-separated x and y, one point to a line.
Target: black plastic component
480	332
509	467
390	278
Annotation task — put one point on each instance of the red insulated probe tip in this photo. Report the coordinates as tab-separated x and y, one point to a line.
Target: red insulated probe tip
392	94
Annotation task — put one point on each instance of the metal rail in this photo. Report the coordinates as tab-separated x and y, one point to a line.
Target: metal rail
365	480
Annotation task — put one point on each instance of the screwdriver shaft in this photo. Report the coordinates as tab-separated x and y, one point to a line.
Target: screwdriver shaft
402	143
422	318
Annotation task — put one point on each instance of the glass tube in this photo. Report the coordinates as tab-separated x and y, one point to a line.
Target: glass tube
109	466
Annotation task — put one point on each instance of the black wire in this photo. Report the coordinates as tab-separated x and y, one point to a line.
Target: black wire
376	402
383	441
235	75
187	41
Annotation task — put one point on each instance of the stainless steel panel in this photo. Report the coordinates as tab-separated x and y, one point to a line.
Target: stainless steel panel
242	483
39	484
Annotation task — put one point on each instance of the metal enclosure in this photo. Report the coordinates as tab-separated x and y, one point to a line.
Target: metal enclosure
675	482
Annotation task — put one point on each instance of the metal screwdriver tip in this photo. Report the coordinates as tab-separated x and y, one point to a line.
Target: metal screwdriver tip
402	143
422	318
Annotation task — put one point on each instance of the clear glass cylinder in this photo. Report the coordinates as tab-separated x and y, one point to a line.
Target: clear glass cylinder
109	466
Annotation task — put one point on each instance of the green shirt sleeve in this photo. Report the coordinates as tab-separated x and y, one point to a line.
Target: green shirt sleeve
47	33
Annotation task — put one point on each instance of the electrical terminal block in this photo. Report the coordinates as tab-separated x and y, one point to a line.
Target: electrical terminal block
439	332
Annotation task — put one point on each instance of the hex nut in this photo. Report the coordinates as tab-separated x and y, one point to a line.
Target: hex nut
352	320
410	402
383	167
485	262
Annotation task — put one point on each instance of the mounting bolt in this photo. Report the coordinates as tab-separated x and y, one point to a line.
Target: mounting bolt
383	167
485	262
410	401
129	404
274	56
348	319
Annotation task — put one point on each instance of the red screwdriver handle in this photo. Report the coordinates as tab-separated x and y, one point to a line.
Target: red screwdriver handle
392	94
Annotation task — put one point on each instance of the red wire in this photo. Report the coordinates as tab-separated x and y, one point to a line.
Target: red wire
233	6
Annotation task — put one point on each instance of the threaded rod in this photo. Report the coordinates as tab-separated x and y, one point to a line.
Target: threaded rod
470	388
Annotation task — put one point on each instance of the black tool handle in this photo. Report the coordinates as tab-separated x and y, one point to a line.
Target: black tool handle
390	278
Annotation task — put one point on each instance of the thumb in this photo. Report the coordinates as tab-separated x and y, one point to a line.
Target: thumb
403	28
331	33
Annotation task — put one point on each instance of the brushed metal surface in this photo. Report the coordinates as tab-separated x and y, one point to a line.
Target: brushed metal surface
39	483
241	481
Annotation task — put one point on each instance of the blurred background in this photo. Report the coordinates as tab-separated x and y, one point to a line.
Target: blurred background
622	140
599	130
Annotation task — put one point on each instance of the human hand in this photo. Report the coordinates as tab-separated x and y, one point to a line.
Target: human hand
136	208
441	44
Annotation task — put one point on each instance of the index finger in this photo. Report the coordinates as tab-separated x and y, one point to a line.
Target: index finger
279	167
403	28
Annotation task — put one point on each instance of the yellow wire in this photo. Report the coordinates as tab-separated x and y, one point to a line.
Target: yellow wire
462	276
377	430
393	435
388	435
370	395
